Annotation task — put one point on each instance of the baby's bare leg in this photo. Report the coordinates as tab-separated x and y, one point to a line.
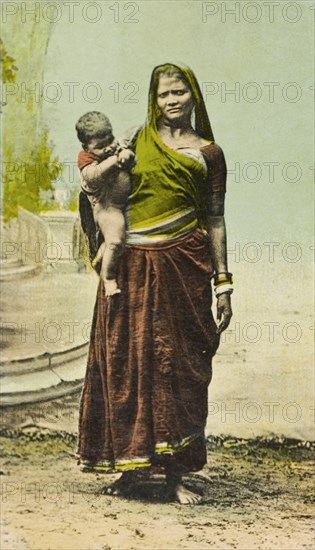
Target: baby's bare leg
112	224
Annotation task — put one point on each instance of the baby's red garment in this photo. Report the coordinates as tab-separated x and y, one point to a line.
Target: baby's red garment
85	158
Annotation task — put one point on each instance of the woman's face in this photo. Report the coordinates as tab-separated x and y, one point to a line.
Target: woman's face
174	99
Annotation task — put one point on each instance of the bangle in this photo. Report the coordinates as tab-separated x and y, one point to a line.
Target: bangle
226	289
222	278
225	282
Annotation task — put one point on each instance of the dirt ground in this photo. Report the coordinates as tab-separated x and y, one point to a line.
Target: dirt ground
257	495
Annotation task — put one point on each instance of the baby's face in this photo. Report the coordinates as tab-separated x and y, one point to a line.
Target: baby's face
102	147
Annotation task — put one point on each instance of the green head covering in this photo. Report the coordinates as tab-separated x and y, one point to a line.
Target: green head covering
202	123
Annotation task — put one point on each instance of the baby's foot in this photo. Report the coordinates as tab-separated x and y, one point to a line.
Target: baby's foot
111	287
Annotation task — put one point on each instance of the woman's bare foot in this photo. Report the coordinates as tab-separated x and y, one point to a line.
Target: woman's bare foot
184	496
176	490
122	486
111	287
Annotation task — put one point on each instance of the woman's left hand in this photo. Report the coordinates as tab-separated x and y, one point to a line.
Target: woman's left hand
126	159
224	311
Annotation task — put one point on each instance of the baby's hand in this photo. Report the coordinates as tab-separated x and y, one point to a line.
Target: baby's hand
126	158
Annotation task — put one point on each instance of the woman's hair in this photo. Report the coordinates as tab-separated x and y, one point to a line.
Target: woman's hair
166	71
92	125
202	123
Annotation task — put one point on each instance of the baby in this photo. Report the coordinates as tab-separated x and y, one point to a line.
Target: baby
103	166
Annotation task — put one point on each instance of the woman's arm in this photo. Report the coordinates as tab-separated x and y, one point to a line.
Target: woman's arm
216	228
217	238
128	139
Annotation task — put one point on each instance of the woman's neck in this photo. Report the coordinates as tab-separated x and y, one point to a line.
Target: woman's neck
179	137
174	132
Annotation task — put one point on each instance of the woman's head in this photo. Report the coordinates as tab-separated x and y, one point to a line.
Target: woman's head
165	71
174	99
173	81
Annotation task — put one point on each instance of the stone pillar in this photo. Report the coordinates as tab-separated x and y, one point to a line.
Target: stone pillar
63	243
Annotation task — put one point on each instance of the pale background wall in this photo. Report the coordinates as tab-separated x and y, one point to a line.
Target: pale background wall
262	50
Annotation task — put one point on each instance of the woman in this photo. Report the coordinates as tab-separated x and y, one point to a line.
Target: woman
144	402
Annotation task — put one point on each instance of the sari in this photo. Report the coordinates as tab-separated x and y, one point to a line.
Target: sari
145	397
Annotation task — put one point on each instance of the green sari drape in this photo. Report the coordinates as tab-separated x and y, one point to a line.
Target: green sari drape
169	190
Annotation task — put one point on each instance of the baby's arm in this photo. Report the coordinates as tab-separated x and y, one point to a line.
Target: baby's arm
93	174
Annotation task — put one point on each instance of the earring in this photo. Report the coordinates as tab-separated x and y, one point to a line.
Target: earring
157	111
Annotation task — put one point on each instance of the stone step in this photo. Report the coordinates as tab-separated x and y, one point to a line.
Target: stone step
41	378
19	272
46	361
39	396
9	263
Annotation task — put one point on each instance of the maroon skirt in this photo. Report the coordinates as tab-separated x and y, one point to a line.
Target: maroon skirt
145	396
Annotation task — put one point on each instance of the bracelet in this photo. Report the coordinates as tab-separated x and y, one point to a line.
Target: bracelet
226	289
223	277
226	282
223	273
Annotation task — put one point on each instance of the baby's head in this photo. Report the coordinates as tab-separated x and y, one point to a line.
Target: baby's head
96	134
